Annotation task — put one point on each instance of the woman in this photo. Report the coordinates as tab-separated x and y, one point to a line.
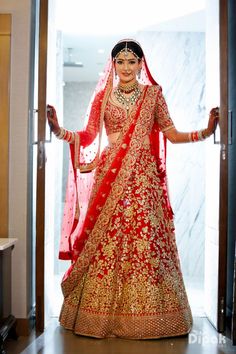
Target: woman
125	279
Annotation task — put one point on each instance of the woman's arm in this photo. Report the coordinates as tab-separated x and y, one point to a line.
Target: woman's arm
175	137
88	134
167	126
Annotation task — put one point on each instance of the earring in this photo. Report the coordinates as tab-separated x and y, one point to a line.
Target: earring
139	74
115	75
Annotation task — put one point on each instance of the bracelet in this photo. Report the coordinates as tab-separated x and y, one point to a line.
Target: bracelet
69	136
66	135
60	134
199	135
193	136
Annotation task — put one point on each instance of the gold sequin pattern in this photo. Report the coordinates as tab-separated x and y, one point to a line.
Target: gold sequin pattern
134	287
127	282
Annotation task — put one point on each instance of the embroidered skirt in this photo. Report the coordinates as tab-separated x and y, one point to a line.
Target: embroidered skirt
133	287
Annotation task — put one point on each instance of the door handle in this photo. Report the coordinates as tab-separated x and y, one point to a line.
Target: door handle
50	137
230	136
215	139
35	142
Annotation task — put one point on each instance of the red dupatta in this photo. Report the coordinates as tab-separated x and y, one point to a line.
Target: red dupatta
78	220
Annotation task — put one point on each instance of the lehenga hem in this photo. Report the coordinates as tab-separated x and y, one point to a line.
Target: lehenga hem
125	337
153	326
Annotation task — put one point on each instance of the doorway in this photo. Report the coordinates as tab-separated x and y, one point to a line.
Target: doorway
67	87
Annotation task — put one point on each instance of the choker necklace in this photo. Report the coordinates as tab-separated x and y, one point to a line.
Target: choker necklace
127	101
128	88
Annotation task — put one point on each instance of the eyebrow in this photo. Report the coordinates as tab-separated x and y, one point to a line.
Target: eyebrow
125	59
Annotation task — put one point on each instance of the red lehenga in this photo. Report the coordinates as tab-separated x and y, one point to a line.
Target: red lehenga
125	279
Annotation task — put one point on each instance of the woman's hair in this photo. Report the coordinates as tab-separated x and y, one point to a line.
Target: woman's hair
128	45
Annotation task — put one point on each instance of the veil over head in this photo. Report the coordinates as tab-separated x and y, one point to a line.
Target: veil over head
84	159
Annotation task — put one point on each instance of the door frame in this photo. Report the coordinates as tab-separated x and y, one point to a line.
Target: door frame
40	199
40	187
223	195
5	59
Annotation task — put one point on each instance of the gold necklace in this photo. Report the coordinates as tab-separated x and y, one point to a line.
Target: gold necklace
128	88
127	101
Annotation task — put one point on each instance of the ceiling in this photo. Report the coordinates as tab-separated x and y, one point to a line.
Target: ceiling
92	51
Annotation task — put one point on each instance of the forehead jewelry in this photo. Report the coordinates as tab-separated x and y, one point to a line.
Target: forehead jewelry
126	49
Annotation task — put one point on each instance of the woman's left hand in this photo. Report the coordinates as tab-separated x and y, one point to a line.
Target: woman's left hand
213	120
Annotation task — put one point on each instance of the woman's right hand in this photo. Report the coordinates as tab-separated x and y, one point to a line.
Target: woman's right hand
52	119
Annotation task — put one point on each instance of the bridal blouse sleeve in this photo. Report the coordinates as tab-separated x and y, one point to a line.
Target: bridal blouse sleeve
162	115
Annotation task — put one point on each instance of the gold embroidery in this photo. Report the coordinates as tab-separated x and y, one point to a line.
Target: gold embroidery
127	281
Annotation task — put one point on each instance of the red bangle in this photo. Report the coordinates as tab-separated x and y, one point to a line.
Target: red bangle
65	135
68	138
194	136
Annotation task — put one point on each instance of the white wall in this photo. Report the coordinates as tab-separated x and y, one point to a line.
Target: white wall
19	92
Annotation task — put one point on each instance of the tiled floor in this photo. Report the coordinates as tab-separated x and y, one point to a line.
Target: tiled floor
202	340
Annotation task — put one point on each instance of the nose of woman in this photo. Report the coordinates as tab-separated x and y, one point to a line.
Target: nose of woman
126	66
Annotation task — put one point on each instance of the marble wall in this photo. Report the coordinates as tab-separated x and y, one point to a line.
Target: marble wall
177	61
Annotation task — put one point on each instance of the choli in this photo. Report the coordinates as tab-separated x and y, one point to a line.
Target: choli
114	117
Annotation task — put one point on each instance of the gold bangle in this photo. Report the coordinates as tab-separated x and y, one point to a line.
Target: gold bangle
58	133
61	134
66	135
201	135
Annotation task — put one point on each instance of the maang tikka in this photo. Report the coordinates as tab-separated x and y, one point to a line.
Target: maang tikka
126	49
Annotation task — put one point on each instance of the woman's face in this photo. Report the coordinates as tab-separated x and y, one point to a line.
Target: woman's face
127	67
